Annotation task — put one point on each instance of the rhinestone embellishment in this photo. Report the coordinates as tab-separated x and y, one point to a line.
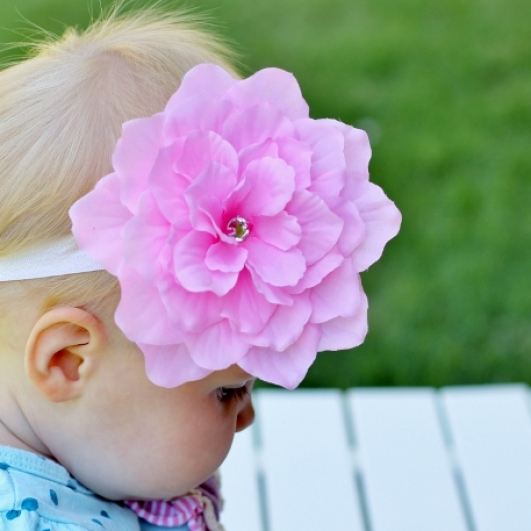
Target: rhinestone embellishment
238	228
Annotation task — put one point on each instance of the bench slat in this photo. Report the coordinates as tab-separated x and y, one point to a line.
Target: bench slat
406	471
491	430
399	451
309	479
240	490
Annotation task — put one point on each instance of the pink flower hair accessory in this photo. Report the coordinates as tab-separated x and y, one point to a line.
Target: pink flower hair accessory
237	227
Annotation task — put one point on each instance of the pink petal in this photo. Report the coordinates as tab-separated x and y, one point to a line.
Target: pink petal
189	312
171	366
268	148
321	228
217	347
144	238
256	125
357	149
328	167
327	181
338	295
101	236
140	313
226	258
316	272
135	154
208	80
271	293
353	230
206	195
267	186
382	222
272	85
286	368
245	307
283	231
328	158
275	267
189	257
168	187
199	113
312	132
202	148
299	156
344	333
285	326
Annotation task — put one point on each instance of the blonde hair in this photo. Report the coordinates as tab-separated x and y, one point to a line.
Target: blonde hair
61	113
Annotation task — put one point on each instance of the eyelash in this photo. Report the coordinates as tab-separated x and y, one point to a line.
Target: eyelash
232	394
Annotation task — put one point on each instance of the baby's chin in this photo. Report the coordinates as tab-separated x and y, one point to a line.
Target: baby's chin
148	491
155	477
151	494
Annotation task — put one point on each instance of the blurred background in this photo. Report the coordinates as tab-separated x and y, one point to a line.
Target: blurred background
444	90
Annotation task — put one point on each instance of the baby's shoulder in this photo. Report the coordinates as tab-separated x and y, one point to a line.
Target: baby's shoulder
39	494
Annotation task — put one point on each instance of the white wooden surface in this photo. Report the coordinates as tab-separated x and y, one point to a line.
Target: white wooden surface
457	459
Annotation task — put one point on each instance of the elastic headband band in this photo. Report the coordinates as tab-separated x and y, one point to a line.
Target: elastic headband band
61	257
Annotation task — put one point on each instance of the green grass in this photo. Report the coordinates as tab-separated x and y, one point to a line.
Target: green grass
444	89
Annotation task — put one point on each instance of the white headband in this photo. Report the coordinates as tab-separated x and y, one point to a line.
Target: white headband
62	257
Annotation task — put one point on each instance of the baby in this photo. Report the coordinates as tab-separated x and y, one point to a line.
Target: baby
168	233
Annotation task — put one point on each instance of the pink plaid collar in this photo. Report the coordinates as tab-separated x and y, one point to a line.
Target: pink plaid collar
199	509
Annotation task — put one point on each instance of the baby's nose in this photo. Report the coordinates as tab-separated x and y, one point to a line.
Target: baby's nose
245	416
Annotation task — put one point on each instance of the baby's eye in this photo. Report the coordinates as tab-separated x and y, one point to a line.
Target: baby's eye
232	394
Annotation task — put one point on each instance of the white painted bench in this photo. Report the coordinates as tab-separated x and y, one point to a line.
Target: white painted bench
395	459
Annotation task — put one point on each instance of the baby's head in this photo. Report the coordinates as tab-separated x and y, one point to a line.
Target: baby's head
71	385
232	229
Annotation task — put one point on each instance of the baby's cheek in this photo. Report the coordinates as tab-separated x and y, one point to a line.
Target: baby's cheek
209	452
182	463
212	451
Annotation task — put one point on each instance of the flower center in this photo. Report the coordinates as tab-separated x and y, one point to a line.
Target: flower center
238	228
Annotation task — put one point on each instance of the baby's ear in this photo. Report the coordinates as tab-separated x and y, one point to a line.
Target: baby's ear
63	351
